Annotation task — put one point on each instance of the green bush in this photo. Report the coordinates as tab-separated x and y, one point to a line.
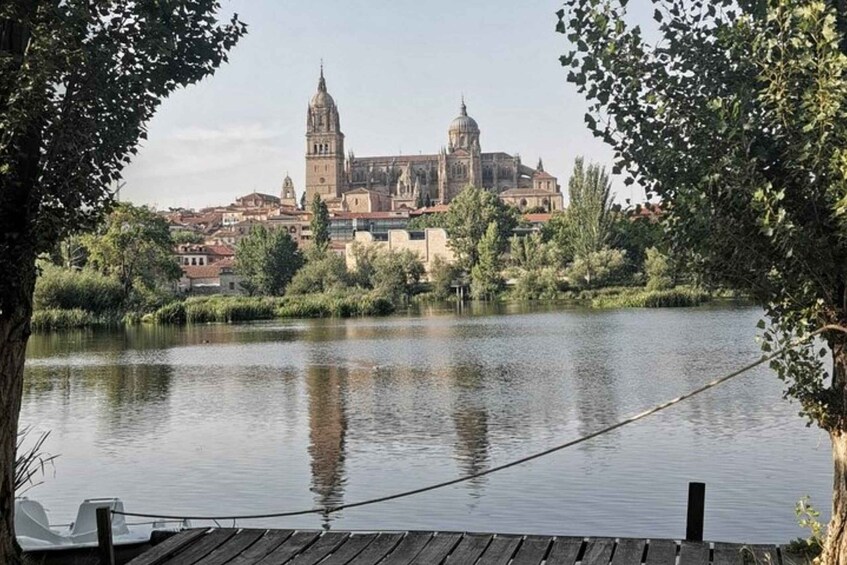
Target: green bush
173	313
70	289
200	310
58	319
674	298
321	273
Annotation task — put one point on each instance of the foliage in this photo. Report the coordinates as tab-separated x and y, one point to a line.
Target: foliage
135	247
658	269
589	216
468	219
635	233
396	274
68	289
181	237
423	221
228	309
30	461
58	319
442	274
737	120
557	231
596	268
486	280
268	260
530	252
636	298
808	517
537	284
321	273
365	257
319	224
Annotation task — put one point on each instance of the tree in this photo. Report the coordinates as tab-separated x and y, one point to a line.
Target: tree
658	269
397	273
469	217
486	280
135	247
442	274
268	260
319	224
187	237
596	268
321	273
78	82
589	214
423	221
303	201
737	121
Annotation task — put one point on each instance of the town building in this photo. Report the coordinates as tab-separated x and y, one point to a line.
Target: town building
427	244
378	184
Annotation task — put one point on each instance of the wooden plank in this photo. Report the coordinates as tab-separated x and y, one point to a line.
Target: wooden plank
436	550
694	553
469	549
378	549
727	554
533	550
565	551
325	545
203	547
598	551
629	551
408	548
169	547
500	550
289	548
266	544
661	552
233	547
354	545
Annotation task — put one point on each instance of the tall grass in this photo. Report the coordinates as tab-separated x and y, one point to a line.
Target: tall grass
226	309
60	319
673	298
68	289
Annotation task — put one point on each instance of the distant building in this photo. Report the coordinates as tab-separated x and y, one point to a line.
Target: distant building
215	278
379	184
428	244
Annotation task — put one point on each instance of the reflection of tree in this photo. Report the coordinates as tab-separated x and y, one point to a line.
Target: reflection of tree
594	379
136	397
326	388
470	417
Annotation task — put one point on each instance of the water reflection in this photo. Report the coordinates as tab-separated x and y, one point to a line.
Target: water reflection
326	388
470	418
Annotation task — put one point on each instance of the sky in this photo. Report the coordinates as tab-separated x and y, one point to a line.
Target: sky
397	70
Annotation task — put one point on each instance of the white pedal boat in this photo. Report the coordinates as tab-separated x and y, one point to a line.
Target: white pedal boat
35	534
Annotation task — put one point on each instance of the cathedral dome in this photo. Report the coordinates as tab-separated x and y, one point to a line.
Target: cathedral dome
464	123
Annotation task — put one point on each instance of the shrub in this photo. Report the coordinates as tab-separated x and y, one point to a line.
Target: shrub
658	270
58	319
321	273
674	298
70	289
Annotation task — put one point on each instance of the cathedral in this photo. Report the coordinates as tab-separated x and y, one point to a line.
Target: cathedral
380	184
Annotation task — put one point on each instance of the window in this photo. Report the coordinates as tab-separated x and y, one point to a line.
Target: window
201	260
232	286
194	260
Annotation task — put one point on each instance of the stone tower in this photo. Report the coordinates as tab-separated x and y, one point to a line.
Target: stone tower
288	197
324	146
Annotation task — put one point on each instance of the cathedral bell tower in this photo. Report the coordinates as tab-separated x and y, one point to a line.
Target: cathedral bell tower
324	146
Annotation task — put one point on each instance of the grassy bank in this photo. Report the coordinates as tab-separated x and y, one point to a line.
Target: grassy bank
199	310
681	297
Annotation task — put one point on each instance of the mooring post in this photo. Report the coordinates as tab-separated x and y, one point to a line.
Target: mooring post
105	549
696	509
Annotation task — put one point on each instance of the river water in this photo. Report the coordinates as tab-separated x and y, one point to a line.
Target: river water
255	418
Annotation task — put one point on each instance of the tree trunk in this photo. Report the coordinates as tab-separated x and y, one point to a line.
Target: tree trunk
835	547
14	332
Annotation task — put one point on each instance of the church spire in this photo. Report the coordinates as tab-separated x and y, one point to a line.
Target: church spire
464	108
322	81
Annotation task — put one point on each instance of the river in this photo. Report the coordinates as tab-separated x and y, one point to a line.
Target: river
266	417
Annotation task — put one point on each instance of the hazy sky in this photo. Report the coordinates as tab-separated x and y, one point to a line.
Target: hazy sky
396	69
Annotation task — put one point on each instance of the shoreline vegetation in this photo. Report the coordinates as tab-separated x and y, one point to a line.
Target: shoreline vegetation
346	304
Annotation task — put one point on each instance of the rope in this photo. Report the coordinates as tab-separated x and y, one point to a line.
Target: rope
333	509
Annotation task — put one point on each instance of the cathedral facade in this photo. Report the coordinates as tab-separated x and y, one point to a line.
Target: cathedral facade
374	184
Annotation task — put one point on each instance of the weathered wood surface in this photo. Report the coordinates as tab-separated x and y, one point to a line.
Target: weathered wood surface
280	547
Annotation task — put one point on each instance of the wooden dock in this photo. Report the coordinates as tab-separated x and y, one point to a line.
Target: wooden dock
308	547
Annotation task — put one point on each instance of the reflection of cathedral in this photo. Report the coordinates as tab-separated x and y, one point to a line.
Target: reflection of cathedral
371	184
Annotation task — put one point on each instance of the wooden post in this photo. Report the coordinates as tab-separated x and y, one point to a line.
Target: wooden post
696	509
105	549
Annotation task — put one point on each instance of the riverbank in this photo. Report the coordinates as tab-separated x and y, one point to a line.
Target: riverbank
347	304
